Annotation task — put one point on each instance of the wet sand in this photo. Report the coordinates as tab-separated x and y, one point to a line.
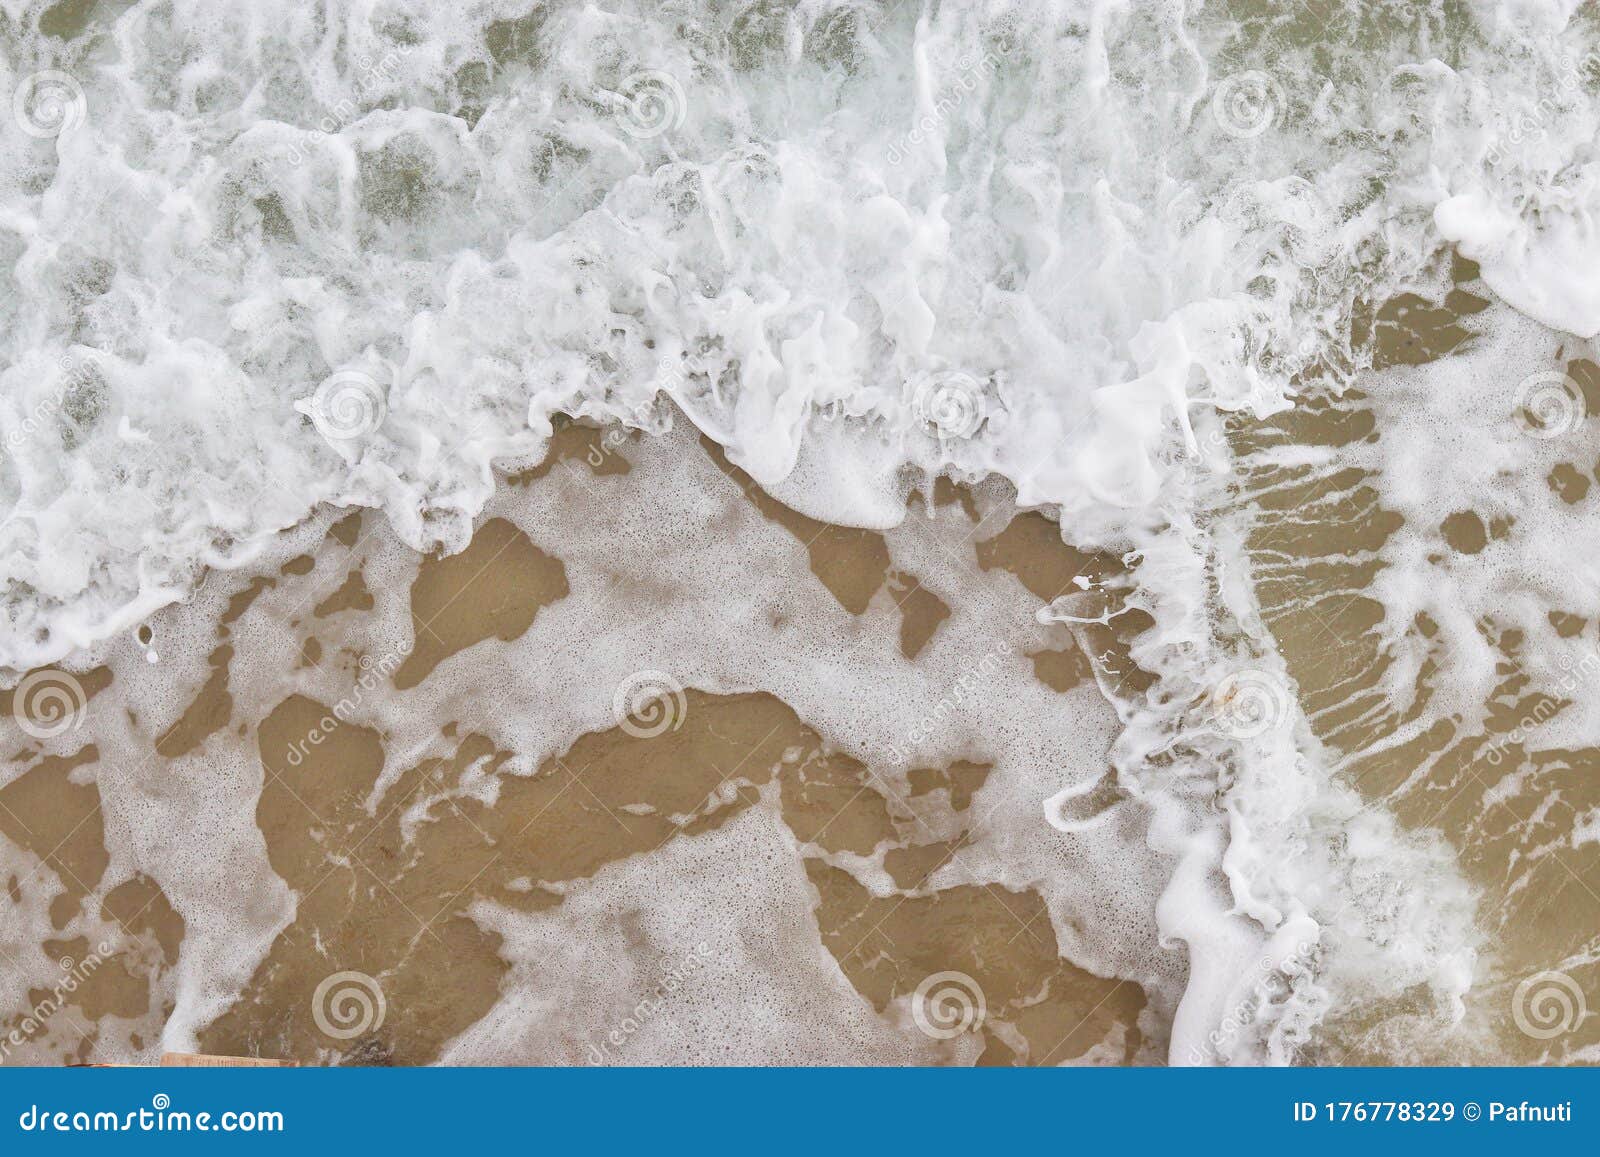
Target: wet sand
1314	552
413	873
385	877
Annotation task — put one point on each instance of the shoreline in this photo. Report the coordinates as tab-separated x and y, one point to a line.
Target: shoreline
850	827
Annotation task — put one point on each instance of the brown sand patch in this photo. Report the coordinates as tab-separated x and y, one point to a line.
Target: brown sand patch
243	601
141	908
1465	532
852	563
58	820
352	595
961	781
948	493
1105	795
509	580
1031	548
597	447
910	867
1061	670
1040	1008
1569	483
828	800
1411	330
921	612
347	530
1567	626
206	715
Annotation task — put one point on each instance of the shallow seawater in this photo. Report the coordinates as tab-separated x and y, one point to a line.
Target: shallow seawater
799	532
638	783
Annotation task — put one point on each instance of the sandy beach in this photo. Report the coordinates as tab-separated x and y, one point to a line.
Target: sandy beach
866	876
809	533
473	903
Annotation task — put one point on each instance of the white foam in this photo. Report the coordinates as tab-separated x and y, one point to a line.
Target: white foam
978	231
1544	269
701	989
1038	240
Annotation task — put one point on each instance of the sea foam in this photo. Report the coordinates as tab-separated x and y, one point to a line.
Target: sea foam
361	254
